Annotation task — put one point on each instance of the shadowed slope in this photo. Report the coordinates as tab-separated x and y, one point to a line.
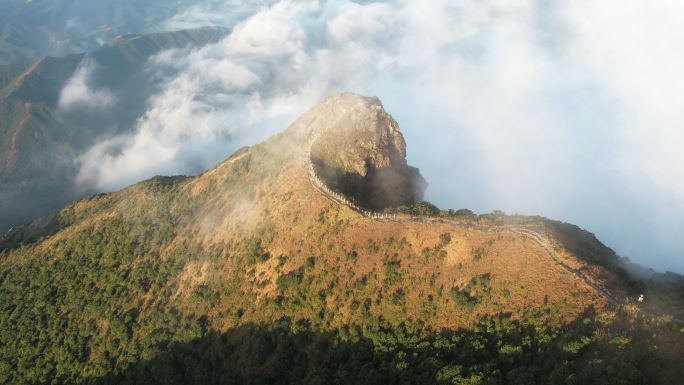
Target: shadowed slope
289	353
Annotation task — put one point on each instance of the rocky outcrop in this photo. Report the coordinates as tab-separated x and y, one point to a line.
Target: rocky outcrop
362	154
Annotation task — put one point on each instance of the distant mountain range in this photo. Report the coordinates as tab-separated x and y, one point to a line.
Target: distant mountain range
40	139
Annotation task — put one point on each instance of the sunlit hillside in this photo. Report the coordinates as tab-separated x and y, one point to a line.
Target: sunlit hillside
264	270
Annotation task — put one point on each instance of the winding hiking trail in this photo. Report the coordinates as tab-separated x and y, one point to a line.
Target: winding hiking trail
12	152
535	236
538	238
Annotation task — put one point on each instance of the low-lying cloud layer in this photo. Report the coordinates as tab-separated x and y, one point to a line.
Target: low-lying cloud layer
565	109
78	93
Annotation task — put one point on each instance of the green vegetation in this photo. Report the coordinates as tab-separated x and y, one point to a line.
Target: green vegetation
423	209
111	341
89	302
464	213
255	252
98	309
472	294
444	239
393	272
478	253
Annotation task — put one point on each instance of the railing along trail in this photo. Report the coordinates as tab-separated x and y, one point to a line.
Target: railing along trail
538	238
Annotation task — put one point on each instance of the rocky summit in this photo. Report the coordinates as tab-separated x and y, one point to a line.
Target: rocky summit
363	154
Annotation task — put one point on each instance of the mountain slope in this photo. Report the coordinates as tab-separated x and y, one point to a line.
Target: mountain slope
39	139
257	271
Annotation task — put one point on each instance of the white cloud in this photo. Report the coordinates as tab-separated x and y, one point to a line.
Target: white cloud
217	97
78	93
565	109
633	50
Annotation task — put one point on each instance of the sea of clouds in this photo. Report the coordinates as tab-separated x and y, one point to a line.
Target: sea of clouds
568	109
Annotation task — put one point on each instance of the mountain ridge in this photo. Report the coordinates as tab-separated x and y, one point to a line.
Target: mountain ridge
253	257
307	130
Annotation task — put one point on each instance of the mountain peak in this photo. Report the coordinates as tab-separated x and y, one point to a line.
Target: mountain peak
357	149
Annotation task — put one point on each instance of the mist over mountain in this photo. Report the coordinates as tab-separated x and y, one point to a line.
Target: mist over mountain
536	108
55	109
196	192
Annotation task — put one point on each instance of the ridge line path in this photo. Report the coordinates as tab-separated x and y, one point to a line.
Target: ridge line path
530	234
340	199
539	239
535	236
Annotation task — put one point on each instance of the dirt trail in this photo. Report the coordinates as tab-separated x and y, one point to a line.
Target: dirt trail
12	152
543	242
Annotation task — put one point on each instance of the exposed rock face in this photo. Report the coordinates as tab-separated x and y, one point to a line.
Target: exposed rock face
363	154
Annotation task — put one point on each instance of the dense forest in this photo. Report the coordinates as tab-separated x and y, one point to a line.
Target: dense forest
98	309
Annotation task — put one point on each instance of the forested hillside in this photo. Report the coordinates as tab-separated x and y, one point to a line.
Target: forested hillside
250	273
